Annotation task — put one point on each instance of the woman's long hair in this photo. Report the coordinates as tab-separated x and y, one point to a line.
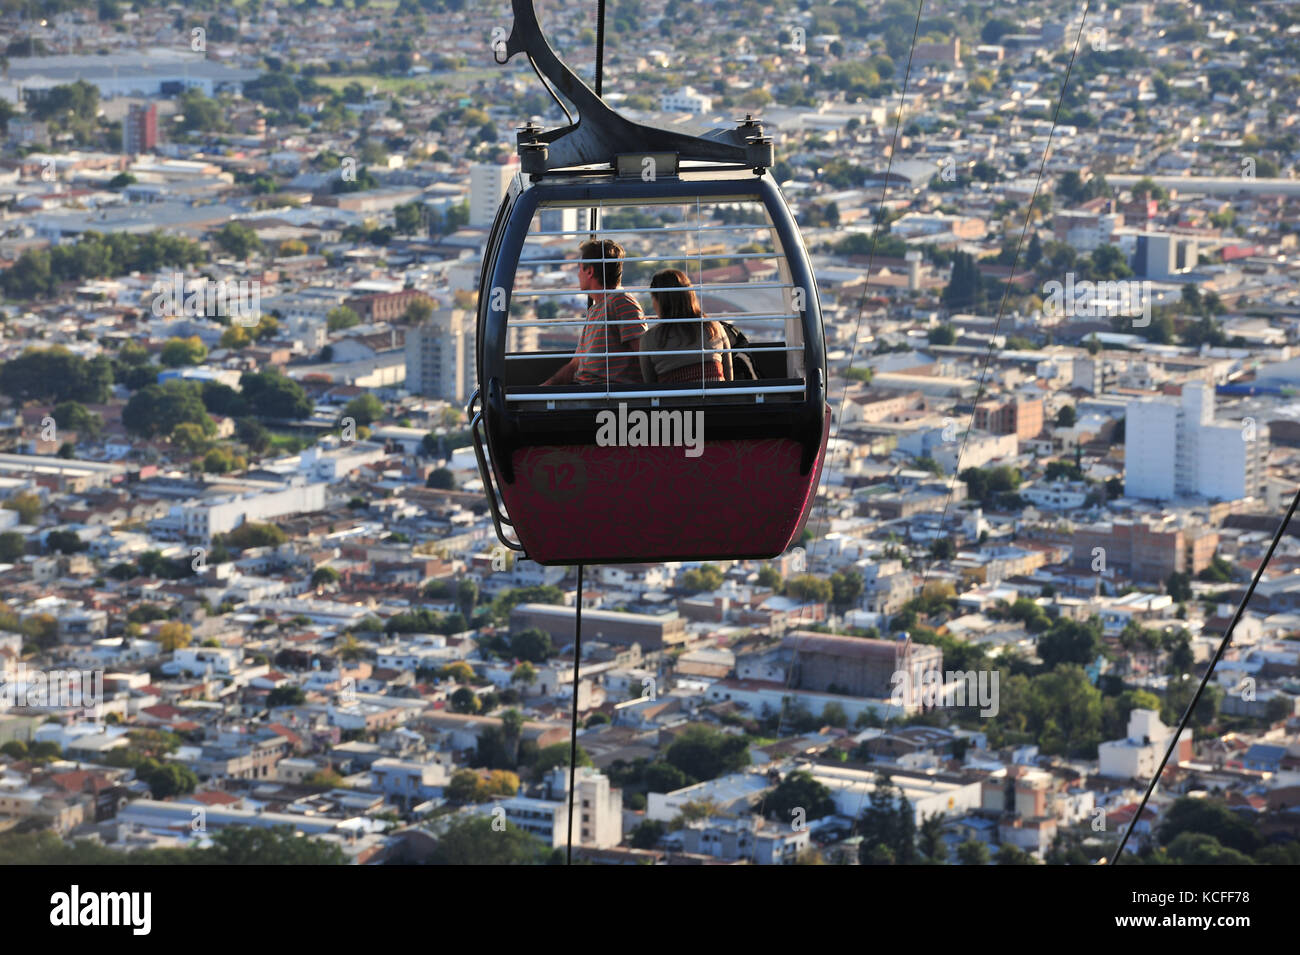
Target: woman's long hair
680	303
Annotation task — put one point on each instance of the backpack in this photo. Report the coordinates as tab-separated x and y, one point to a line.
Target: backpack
742	366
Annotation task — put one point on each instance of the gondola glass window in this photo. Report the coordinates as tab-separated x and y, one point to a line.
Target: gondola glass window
729	253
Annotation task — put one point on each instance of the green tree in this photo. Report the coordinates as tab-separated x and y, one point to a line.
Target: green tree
1010	854
14	749
407	217
704	578
237	239
340	318
189	438
200	113
28	505
12	546
661	777
418	312
466	786
942	335
1179	694
55	374
65	542
1218	572
942	548
271	395
1070	641
506	601
475	841
178	352
1193	848
156	410
278	845
887	823
364	409
532	645
557	754
464	700
512	727
647	834
1179	587
706	753
467	596
253	534
441	479
524	674
286	696
930	839
252	433
846	587
74	416
324	575
973	852
799	790
809	589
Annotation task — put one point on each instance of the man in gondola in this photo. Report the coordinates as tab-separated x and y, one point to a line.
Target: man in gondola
614	322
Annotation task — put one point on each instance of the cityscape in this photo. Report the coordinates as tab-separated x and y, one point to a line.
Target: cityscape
255	602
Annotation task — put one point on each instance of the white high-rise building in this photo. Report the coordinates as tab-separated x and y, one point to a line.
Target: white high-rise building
488	182
1173	447
440	356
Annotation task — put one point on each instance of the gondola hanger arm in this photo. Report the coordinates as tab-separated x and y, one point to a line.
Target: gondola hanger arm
600	134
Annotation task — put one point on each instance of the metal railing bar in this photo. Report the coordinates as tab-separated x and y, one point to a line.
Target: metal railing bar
689	392
685	257
656	230
517	356
650	320
697	289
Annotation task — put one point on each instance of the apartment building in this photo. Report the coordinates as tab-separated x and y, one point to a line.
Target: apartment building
1022	417
488	183
1145	549
1209	459
440	356
140	129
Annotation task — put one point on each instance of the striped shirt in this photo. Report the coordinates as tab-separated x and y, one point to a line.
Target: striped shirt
623	340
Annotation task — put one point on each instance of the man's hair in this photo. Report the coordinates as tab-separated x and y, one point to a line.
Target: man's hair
611	273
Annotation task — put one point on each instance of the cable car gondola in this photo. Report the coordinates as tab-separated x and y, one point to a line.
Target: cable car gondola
558	492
